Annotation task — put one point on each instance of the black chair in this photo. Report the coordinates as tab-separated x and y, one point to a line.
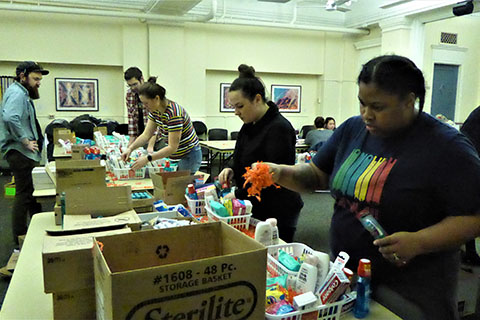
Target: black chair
84	129
111	126
305	129
218	134
233	135
200	129
122	128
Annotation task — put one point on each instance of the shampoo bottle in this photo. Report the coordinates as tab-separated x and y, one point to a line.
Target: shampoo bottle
307	275
263	233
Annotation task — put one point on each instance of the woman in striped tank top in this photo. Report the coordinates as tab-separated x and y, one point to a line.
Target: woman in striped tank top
175	128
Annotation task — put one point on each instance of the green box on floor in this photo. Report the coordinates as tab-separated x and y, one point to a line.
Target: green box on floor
9	189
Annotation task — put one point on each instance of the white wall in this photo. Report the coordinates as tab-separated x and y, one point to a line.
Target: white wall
190	60
468	86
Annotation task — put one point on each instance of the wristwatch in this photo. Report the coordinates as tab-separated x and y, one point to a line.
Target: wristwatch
149	158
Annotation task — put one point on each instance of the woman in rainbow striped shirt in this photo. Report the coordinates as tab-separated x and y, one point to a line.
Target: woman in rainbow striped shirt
175	127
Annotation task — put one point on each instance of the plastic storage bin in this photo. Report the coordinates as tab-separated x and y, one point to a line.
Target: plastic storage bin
238	222
197	207
330	311
274	267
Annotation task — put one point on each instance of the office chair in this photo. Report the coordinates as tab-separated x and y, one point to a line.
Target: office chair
218	134
233	135
305	129
200	129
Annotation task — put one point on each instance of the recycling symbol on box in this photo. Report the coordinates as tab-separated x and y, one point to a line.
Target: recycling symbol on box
162	251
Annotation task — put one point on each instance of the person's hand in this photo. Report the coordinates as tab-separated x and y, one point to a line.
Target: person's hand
32	145
126	154
226	175
150	150
140	163
273	168
398	248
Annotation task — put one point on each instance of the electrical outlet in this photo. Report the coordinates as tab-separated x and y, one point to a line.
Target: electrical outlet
51	116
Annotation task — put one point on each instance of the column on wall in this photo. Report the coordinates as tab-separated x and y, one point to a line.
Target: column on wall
403	36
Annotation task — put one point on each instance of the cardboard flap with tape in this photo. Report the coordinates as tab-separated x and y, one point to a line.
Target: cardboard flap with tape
170	186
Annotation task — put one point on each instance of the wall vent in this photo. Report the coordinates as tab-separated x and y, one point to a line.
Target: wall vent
448	38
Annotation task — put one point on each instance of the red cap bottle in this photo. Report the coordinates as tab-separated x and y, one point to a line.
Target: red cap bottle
364	268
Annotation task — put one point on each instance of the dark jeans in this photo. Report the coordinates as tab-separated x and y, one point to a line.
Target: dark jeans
24	202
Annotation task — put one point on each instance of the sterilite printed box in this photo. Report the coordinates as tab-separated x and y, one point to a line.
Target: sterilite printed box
200	272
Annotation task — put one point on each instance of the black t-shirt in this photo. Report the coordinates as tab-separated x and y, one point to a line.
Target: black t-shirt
271	139
407	182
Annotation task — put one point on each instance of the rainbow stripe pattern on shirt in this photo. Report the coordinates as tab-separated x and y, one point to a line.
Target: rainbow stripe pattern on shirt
362	176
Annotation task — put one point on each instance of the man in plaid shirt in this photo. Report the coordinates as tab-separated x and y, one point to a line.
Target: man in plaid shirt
137	115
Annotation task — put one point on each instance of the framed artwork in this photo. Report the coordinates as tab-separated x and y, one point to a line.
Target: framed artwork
76	94
287	98
225	105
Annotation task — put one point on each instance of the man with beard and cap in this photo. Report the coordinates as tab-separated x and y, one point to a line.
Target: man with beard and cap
137	115
21	140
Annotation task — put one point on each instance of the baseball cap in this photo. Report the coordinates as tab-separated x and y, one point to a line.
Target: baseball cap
29	66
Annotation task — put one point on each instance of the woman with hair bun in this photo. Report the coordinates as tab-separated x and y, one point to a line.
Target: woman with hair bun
265	136
175	127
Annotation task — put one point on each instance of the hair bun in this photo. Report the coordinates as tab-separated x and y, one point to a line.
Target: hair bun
152	79
246	71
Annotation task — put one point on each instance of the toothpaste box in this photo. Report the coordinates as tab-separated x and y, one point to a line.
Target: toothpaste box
334	286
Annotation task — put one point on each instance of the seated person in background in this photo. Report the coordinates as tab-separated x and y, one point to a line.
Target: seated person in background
330	123
419	178
319	135
265	136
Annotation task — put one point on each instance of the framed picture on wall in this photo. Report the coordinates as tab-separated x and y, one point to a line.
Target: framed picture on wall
225	105
287	98
73	94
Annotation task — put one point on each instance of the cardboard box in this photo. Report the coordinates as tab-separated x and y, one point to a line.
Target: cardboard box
85	223
64	134
180	272
136	203
78	173
74	305
103	130
67	261
12	261
98	200
170	186
77	151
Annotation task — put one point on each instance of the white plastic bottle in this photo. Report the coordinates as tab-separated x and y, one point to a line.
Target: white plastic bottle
275	236
307	275
263	233
323	267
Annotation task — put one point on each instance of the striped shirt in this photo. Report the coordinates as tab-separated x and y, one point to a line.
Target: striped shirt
175	118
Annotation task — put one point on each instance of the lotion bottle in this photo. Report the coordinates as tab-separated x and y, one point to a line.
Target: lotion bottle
307	275
263	233
273	224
